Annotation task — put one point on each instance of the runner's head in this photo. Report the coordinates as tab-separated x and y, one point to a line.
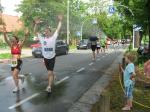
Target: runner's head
47	32
15	39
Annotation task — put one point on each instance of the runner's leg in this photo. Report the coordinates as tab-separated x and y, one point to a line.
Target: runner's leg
50	78
16	79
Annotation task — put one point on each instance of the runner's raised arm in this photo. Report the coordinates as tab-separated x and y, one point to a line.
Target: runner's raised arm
5	36
60	17
37	22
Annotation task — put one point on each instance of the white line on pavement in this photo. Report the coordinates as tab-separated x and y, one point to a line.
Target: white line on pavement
34	95
58	82
80	70
91	64
23	101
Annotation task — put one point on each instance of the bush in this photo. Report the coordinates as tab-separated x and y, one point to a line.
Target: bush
5	56
3	45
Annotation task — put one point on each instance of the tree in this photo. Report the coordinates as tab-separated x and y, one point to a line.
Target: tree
141	10
47	10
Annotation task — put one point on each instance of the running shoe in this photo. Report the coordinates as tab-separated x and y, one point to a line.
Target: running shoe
126	108
15	90
48	89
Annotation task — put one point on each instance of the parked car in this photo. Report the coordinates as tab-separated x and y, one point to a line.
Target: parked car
123	41
61	49
84	44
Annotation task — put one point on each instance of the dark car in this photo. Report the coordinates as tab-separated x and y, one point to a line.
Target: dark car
123	41
61	49
83	44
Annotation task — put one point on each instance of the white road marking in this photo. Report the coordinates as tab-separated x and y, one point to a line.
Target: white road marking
34	95
23	101
80	70
91	64
62	80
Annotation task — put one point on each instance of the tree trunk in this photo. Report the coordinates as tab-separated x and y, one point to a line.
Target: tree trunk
149	41
149	35
141	37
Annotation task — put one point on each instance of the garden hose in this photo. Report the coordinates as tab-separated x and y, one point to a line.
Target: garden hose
145	106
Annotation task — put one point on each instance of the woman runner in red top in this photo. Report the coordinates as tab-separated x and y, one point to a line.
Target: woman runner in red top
16	61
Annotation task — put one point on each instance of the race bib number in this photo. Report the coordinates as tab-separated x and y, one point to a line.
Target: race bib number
14	62
48	49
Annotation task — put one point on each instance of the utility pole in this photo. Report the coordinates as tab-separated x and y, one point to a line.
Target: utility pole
149	35
68	29
1	11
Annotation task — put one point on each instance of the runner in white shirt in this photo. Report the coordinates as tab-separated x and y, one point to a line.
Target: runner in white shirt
48	43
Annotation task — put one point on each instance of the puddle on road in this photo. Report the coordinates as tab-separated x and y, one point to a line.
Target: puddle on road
44	97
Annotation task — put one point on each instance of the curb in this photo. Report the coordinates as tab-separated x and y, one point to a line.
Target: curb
26	56
4	60
86	102
8	60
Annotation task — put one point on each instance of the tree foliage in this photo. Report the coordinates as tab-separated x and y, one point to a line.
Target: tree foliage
47	11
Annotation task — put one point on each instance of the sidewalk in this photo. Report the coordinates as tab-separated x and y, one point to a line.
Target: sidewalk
25	53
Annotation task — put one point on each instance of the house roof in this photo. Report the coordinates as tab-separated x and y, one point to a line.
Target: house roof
12	23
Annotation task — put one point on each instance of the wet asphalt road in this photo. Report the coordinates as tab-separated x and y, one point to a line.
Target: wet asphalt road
75	72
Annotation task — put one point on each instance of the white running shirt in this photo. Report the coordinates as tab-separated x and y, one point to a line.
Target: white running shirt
49	45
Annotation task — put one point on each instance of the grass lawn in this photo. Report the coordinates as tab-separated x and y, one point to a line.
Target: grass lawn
141	94
117	100
72	47
5	56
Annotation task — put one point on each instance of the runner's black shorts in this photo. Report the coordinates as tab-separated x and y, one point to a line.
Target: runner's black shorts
19	65
93	47
49	63
98	47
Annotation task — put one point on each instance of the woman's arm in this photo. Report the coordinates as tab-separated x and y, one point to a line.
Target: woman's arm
5	36
36	23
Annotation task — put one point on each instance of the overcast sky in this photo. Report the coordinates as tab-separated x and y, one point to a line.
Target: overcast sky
10	6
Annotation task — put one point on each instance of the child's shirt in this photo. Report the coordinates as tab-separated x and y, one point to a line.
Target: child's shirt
129	70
